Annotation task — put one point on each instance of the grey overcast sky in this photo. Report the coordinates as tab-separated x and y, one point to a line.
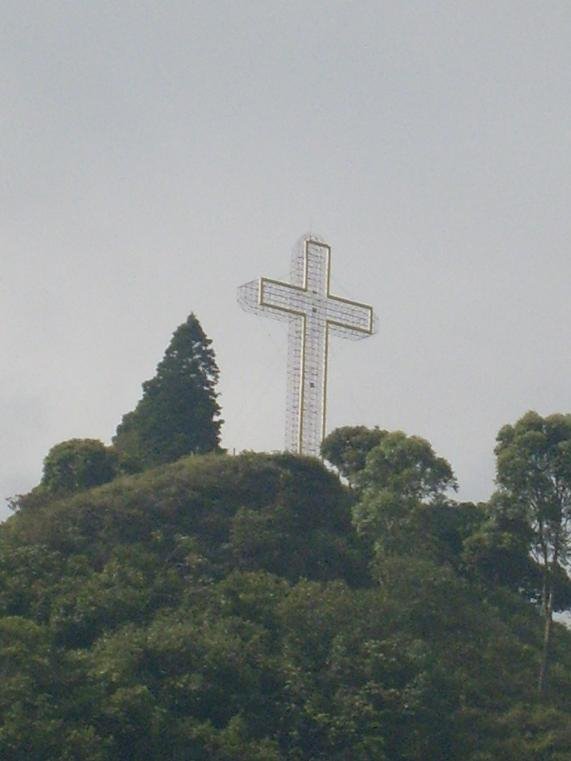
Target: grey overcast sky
155	155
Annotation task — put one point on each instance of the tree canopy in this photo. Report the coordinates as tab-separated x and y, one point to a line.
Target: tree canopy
78	464
254	608
534	480
347	448
178	413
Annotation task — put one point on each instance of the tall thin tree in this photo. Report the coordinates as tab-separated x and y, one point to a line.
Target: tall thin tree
534	480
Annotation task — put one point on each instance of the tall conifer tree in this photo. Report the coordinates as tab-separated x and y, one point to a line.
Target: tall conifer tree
178	413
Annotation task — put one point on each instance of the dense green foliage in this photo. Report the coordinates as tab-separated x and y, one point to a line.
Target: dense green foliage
347	448
253	608
534	478
78	464
178	413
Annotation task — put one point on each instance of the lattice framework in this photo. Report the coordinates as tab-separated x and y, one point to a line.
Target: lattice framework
312	313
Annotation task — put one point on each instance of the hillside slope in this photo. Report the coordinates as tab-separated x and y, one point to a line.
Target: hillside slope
222	608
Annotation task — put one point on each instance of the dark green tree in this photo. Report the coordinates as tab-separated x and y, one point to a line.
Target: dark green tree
497	550
402	476
78	464
534	480
178	413
347	448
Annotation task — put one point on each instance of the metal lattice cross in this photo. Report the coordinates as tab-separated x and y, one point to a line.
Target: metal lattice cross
312	313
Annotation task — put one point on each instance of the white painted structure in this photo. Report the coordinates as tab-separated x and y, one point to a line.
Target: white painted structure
313	313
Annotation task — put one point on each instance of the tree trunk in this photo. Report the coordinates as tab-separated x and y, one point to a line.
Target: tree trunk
548	626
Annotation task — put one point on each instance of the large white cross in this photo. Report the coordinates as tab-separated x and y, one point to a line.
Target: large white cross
313	313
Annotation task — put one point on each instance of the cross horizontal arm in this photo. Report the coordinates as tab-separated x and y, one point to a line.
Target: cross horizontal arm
288	298
349	316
